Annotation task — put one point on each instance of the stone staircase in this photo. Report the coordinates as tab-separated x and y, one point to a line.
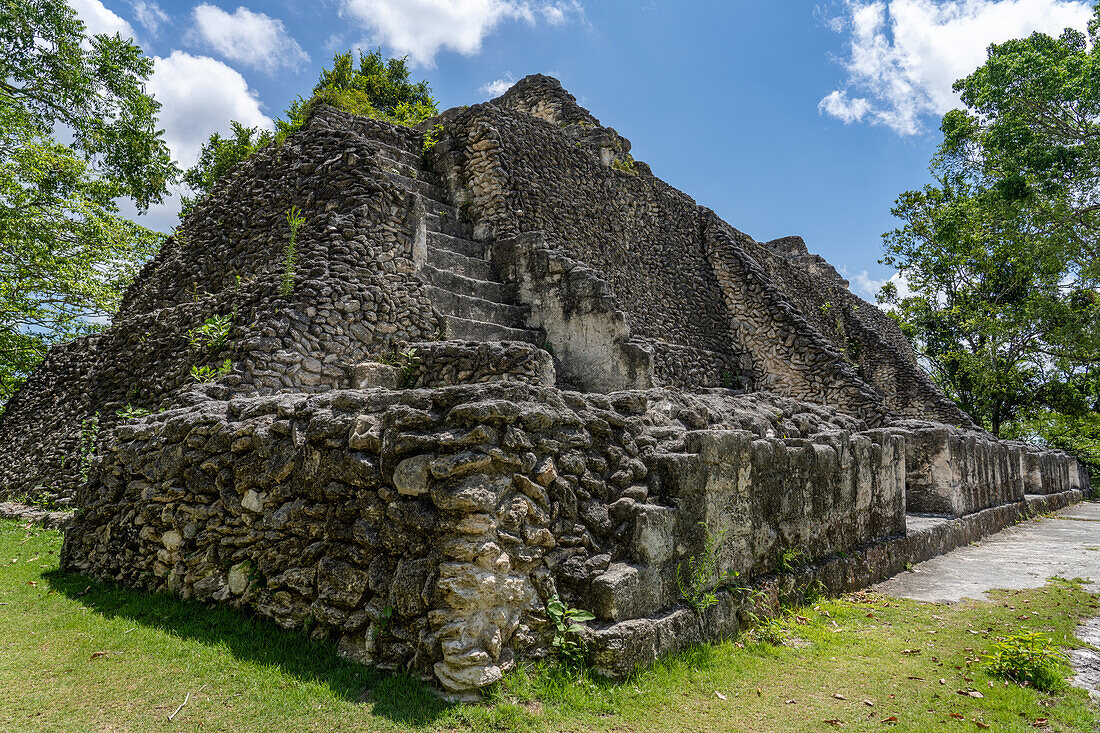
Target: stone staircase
463	285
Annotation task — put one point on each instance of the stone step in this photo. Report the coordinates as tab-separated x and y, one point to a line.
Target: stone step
456	283
471	267
463	246
448	225
404	169
441	209
477	309
400	155
464	328
425	189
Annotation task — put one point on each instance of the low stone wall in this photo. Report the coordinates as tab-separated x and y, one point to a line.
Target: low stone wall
955	471
1051	471
427	529
449	363
617	649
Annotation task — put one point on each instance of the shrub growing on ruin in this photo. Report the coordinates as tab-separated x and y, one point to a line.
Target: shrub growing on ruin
208	374
212	335
375	87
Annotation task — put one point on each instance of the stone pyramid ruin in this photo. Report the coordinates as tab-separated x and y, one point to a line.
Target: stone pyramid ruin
501	363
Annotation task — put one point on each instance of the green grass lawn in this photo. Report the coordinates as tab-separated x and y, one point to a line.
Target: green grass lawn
81	656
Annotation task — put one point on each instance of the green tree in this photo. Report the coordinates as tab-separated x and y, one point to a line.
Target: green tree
65	253
1031	132
1002	251
375	87
217	156
989	311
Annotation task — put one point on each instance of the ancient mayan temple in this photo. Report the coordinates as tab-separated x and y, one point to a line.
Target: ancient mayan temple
510	366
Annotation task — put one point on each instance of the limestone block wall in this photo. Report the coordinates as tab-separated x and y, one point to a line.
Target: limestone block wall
786	353
42	425
955	471
449	363
825	494
515	173
863	334
1050	471
811	497
589	334
355	296
426	529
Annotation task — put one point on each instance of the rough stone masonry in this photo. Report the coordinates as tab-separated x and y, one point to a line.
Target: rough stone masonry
505	367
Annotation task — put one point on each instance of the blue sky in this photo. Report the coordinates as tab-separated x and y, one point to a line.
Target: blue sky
785	117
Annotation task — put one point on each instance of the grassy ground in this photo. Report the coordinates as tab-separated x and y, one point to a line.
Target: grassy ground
79	656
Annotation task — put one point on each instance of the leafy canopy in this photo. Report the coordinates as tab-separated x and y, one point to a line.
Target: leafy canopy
93	87
65	254
217	156
1001	252
377	87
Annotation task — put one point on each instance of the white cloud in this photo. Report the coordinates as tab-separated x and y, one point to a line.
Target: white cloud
98	19
868	287
200	95
904	55
838	104
254	39
497	87
149	15
421	28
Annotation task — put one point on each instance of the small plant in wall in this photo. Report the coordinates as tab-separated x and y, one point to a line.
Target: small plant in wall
295	220
625	164
208	374
427	145
381	626
789	559
129	412
409	363
213	334
568	644
89	431
700	578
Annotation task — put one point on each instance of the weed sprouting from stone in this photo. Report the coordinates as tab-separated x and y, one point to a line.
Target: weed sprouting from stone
208	374
701	578
295	220
212	335
409	363
129	412
427	145
789	559
381	626
626	165
567	641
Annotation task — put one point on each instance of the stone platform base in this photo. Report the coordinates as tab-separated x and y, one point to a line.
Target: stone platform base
34	515
619	648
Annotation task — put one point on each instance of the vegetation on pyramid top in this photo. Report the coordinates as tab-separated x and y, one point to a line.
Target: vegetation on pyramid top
377	87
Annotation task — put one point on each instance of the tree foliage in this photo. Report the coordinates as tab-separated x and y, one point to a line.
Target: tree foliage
1001	251
217	156
65	253
375	87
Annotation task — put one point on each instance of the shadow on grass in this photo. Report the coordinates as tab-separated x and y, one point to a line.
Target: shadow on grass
254	639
